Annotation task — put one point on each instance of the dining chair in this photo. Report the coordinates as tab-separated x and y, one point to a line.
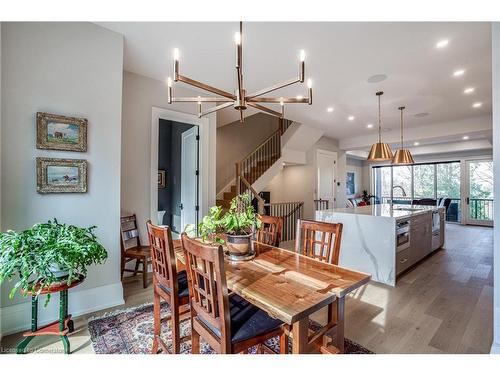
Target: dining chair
270	231
319	240
169	285
228	323
131	249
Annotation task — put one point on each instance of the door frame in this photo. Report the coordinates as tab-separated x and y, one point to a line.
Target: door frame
316	176
466	193
207	127
196	131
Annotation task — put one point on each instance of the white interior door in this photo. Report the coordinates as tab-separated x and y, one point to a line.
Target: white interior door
189	178
325	175
479	192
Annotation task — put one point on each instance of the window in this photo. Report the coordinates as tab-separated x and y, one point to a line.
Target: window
423	181
403	184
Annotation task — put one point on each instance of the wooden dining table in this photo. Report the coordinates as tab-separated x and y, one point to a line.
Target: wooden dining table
290	287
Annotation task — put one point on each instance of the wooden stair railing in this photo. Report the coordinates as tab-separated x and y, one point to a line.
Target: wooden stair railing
290	212
254	165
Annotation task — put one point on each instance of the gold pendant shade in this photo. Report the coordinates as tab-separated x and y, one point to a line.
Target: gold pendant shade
380	151
402	156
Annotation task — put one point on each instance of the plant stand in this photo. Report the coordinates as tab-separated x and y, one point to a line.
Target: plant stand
60	327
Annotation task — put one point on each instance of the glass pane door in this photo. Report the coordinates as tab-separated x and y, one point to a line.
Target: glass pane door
479	199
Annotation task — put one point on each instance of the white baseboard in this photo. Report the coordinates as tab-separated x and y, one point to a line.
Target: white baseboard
17	317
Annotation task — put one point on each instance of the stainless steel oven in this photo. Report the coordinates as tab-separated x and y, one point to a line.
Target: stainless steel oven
402	235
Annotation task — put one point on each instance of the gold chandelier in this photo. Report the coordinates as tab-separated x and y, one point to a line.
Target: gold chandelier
240	100
380	151
402	156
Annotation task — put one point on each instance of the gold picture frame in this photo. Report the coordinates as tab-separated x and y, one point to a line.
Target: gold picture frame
162	176
61	175
56	132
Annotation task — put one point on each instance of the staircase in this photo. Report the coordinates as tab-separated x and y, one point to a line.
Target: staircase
255	165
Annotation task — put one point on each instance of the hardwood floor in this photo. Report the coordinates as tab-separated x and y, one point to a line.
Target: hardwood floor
443	305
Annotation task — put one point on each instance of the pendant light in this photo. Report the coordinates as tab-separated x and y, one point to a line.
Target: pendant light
380	151
402	156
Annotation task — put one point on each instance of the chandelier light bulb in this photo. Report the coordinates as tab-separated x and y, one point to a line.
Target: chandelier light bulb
237	38
309	83
169	82
302	55
199	99
176	54
282	103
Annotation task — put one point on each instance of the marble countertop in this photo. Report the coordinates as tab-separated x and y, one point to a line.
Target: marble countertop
384	210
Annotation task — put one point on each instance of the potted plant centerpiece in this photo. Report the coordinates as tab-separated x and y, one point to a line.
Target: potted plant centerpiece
235	228
48	253
366	198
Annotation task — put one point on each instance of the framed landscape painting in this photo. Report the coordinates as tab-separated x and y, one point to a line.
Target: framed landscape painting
61	175
56	132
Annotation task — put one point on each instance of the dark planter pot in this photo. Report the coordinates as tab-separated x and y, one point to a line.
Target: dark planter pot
239	244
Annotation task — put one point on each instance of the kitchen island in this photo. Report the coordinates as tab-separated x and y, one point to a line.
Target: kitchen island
384	240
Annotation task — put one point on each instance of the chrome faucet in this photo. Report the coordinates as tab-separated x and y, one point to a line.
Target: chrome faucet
399	186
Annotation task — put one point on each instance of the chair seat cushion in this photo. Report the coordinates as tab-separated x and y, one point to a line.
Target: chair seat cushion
183	285
247	320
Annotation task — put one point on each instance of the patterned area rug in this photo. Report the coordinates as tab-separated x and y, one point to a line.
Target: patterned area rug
130	331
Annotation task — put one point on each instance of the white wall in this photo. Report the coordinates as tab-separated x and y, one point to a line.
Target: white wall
297	183
140	95
496	165
71	69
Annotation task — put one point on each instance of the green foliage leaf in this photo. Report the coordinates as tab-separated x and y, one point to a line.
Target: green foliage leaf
32	255
240	219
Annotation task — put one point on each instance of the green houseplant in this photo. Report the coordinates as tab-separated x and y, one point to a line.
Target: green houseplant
47	253
237	224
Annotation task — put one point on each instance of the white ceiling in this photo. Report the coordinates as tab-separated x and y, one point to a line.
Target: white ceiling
340	59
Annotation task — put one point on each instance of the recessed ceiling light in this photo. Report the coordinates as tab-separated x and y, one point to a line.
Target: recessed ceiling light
477	105
421	114
369	126
350	118
442	43
416	143
458	73
469	90
329	109
377	78
465	137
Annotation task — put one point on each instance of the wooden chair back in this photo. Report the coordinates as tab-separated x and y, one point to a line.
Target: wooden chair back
319	240
163	257
270	231
207	286
321	204
129	232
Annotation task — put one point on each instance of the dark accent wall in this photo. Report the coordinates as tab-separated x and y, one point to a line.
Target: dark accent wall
169	159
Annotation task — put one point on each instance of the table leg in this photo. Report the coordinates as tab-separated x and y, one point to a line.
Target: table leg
340	323
300	333
63	314
34	326
65	342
